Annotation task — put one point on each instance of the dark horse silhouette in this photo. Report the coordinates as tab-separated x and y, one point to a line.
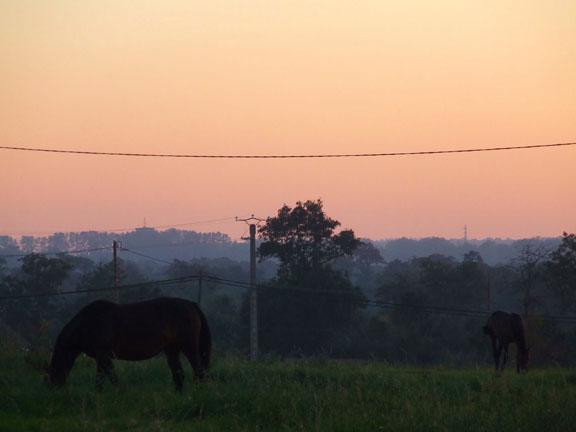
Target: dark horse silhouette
506	328
138	331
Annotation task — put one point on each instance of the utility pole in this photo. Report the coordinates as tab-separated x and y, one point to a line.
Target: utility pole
489	299
253	222
200	277
115	246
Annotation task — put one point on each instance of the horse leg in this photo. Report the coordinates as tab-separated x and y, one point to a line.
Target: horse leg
172	355
496	350
105	369
192	353
505	356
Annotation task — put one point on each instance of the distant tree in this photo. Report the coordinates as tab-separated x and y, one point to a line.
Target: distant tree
416	289
96	284
472	279
3	268
8	245
560	273
398	278
437	276
367	255
43	275
38	277
530	266
362	266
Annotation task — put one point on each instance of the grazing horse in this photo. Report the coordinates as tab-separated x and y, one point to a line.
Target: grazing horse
506	328
138	331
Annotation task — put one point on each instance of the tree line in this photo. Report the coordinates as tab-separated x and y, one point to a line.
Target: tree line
322	291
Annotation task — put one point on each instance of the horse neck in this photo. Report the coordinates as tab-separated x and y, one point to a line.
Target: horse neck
63	360
65	353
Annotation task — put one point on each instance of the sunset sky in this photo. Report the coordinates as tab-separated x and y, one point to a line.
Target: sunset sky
284	77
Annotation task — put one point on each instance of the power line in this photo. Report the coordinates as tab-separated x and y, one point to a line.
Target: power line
350	155
69	252
160	283
228	219
145	256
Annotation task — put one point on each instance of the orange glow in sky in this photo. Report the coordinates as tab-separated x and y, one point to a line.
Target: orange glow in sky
289	77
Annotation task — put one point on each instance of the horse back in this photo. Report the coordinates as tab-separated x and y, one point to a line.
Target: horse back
502	325
88	329
135	331
144	329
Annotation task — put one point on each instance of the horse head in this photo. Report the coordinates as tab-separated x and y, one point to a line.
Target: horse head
522	361
54	377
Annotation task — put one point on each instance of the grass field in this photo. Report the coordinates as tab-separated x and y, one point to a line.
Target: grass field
306	395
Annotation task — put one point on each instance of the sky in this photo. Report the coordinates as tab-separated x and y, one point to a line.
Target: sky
285	77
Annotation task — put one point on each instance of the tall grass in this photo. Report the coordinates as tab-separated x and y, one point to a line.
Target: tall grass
303	395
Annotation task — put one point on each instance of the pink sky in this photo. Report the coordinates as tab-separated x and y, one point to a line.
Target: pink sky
294	77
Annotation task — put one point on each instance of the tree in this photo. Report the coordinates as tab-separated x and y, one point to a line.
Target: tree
530	265
362	267
307	307
560	272
367	255
38	277
435	282
303	238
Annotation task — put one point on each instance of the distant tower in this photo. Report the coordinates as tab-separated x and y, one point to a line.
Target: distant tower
465	233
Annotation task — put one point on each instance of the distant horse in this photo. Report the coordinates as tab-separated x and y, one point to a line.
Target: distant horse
138	331
504	329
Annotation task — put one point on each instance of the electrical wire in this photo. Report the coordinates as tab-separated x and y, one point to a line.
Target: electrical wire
69	252
145	256
350	155
160	283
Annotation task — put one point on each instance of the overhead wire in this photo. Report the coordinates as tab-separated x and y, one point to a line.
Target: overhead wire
123	249
69	252
159	283
276	156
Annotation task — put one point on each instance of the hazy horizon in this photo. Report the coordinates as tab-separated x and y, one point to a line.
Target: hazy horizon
240	239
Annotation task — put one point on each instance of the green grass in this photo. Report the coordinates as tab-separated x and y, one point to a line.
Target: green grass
307	395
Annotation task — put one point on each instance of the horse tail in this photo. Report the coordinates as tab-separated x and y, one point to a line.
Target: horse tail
205	343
